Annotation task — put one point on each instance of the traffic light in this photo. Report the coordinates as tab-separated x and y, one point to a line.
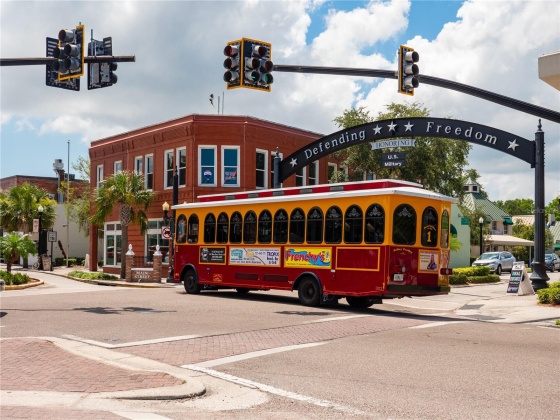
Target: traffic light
408	70
101	75
231	63
257	64
70	53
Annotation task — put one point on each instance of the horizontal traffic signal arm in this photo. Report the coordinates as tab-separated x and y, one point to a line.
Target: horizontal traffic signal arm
506	101
38	61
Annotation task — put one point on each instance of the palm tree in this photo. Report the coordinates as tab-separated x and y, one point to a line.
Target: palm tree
14	245
124	190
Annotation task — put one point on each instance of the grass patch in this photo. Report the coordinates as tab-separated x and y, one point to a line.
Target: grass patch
92	276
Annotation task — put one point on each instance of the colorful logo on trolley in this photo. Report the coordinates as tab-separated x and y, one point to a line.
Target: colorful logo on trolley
308	257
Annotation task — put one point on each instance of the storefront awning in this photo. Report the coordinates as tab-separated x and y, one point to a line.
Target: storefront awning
507	240
508	221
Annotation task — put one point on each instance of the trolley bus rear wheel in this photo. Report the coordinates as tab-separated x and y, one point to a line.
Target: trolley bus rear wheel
243	290
191	283
309	292
360	301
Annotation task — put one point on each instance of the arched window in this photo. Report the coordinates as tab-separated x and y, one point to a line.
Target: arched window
445	229
333	225
250	227
374	231
404	225
265	227
192	237
297	226
429	227
281	227
353	221
223	226
181	236
315	226
235	228
209	229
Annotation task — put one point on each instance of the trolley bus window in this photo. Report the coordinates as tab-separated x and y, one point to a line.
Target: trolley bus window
429	227
353	221
193	229
223	225
235	228
445	229
181	229
404	225
374	231
209	229
333	225
281	227
265	227
250	227
297	226
315	226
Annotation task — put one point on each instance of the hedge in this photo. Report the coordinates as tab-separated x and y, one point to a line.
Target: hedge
473	275
92	276
14	279
550	295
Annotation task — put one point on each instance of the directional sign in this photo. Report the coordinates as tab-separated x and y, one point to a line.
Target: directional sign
166	232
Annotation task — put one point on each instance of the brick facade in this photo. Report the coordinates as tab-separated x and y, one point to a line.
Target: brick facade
190	132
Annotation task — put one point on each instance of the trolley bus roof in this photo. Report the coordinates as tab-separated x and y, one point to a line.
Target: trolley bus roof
316	192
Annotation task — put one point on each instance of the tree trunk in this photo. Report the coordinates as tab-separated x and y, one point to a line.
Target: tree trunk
124	250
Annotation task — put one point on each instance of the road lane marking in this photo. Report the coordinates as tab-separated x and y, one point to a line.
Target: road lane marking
131	343
253	354
275	391
437	324
133	415
335	319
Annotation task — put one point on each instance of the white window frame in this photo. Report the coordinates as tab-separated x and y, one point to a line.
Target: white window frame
117	167
181	169
138	165
148	158
215	149
159	239
265	170
99	179
112	229
331	165
273	155
238	175
168	182
301	177
314	173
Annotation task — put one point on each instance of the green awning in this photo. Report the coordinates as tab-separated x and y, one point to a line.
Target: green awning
508	221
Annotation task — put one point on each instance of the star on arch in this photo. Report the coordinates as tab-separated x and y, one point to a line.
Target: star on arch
392	126
293	162
408	126
512	144
377	130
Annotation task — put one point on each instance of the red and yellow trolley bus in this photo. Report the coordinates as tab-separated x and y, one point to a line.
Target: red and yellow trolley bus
365	241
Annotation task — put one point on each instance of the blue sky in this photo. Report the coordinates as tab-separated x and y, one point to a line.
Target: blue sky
178	45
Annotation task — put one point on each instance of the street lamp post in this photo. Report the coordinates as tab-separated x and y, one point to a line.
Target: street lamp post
480	222
40	247
171	221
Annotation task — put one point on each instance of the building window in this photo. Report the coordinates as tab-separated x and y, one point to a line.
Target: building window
314	173
113	243
138	165
300	177
230	166
168	167
149	172
154	238
117	167
331	169
182	166
207	166
272	156
261	165
99	179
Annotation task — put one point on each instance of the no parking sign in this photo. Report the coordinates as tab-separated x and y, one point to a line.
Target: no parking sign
166	232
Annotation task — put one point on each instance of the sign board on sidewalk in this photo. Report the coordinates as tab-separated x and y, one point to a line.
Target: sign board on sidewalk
46	263
519	283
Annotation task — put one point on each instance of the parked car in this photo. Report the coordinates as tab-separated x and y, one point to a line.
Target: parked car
551	262
497	261
2	284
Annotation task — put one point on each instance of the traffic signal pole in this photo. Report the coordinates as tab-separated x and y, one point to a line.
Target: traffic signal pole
41	61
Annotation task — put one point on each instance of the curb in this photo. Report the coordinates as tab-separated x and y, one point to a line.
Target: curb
32	283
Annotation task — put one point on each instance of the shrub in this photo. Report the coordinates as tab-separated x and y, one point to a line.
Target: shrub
92	276
489	278
457	278
472	271
550	295
14	278
60	261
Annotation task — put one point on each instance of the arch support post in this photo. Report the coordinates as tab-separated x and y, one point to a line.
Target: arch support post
538	276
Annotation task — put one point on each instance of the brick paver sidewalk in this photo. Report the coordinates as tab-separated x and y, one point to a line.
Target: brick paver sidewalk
28	364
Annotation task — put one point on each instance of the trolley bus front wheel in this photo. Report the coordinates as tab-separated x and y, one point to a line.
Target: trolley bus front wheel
309	292
191	283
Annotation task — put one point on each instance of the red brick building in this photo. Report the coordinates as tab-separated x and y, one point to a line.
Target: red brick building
212	153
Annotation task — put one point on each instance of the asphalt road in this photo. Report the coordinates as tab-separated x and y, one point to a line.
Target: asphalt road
387	362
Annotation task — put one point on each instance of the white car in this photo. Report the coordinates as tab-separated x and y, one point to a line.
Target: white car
497	261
